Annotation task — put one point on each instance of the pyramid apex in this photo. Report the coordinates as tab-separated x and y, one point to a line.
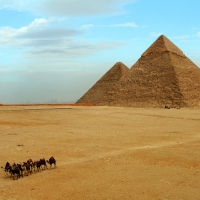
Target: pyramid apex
163	44
163	37
119	65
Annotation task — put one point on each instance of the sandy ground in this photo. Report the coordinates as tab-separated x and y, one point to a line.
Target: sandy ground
102	152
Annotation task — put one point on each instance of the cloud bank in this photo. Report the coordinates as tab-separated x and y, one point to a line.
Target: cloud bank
67	7
42	38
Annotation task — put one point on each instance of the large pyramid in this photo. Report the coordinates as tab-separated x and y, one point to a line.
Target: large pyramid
103	85
162	76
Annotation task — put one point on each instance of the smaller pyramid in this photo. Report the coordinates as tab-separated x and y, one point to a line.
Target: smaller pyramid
104	84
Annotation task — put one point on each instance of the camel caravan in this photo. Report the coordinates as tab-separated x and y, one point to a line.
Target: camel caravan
27	168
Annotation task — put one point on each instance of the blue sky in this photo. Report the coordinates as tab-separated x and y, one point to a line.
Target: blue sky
57	49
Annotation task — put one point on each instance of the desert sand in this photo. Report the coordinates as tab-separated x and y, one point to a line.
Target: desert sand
102	152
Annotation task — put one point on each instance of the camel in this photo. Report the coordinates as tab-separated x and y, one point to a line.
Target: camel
51	161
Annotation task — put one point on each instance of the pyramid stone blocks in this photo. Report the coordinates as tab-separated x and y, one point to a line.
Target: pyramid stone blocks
102	86
163	76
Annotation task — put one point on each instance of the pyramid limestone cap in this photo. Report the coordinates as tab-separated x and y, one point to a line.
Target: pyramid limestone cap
118	67
163	44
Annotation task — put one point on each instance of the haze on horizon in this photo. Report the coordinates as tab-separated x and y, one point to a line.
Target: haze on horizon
57	49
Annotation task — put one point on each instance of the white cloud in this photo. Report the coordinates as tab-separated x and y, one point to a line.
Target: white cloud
80	7
17	37
39	22
41	39
39	28
17	4
67	7
70	49
128	24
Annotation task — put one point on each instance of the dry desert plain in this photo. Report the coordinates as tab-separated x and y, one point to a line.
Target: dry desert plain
102	152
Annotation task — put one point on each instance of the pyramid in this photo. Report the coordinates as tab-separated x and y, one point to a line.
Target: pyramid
103	85
163	76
